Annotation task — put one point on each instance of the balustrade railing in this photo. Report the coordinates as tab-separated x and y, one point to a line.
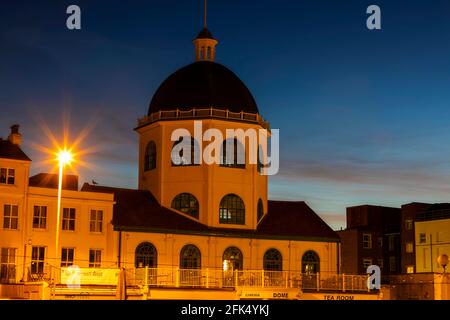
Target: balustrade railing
203	113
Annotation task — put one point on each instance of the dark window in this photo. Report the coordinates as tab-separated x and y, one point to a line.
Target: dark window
10	216
150	156
37	260
186	203
189	153
40	217
95	258
260	211
234	158
232	259
232	210
190	257
273	260
7	265
7	176
367	241
146	256
68	221
96	221
67	257
310	263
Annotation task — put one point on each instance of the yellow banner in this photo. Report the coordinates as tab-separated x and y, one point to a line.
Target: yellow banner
84	276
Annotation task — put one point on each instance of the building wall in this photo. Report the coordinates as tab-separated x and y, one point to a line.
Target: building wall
25	236
409	212
212	248
208	183
382	226
437	242
349	251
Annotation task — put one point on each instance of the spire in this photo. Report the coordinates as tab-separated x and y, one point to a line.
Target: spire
204	14
205	44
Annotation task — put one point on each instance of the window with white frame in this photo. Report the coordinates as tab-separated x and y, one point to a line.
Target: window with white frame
10	216
95	258
96	221
367	241
37	260
7	176
40	217
68	219
367	262
67	255
8	264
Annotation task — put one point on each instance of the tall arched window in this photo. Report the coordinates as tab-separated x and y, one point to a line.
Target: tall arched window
150	156
234	158
260	210
232	259
310	262
186	203
189	153
146	256
232	210
190	257
273	260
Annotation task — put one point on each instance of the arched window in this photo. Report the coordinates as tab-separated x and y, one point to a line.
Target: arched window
310	262
146	255
190	257
150	156
273	260
234	158
232	259
186	203
192	156
260	210
232	210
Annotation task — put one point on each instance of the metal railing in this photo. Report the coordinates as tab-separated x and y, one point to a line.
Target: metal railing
217	278
175	277
203	113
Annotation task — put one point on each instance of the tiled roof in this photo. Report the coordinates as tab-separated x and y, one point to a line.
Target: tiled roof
9	150
138	210
49	180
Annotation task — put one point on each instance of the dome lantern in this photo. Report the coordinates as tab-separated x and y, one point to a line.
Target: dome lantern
204	43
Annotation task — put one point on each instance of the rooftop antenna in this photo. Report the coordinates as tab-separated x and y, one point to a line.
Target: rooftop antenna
204	14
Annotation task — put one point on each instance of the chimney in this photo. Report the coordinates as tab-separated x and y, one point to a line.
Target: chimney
15	137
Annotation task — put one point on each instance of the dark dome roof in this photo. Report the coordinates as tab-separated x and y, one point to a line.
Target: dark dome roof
203	84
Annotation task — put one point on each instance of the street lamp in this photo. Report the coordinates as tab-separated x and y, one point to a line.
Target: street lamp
443	261
64	158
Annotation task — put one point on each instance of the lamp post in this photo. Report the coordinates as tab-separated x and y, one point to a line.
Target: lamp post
64	158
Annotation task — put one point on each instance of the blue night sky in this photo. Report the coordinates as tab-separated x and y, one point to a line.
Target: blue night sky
363	115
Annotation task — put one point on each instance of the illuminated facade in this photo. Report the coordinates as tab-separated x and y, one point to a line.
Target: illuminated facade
187	226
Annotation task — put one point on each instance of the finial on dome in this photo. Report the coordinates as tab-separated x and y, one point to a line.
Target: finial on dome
205	44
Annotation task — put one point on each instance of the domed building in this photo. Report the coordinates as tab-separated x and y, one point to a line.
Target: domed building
212	225
190	225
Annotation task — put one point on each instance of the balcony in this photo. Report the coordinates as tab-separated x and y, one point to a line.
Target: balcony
202	114
174	277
